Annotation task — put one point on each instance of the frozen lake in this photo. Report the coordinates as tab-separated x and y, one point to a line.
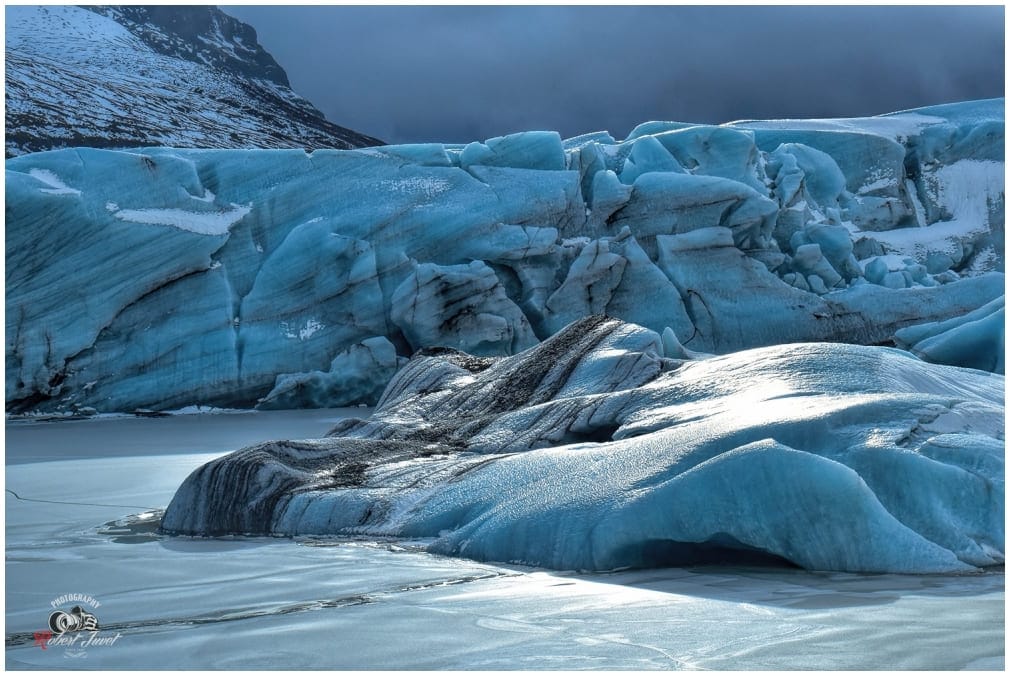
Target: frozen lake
84	523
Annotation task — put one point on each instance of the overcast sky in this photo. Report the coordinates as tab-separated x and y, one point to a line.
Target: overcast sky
457	74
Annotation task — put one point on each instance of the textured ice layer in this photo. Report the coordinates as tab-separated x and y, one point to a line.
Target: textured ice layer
165	278
975	340
595	450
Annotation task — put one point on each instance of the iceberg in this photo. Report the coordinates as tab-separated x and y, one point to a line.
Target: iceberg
603	447
161	278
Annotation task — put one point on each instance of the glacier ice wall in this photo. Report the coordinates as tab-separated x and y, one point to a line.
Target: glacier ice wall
596	450
163	277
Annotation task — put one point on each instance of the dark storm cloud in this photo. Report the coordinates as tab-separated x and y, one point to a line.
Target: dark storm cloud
408	74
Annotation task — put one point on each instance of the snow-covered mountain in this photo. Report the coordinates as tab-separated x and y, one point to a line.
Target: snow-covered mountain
116	77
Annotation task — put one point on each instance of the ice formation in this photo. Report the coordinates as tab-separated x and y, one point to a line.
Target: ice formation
596	449
164	278
356	375
974	340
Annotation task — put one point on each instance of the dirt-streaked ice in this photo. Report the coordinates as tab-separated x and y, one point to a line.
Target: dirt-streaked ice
597	450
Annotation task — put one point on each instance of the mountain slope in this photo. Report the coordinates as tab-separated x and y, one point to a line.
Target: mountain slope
114	77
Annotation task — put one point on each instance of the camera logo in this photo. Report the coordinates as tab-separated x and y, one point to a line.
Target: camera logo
74	628
77	619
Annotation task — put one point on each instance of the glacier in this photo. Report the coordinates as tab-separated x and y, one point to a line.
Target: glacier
161	278
597	449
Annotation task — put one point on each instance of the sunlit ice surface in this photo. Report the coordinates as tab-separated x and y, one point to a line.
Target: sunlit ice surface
336	603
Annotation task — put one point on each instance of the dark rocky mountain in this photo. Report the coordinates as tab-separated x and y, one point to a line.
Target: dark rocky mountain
120	77
199	33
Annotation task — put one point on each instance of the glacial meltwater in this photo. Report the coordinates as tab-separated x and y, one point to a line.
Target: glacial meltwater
83	504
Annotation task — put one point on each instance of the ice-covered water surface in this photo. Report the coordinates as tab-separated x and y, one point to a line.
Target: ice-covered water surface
279	603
